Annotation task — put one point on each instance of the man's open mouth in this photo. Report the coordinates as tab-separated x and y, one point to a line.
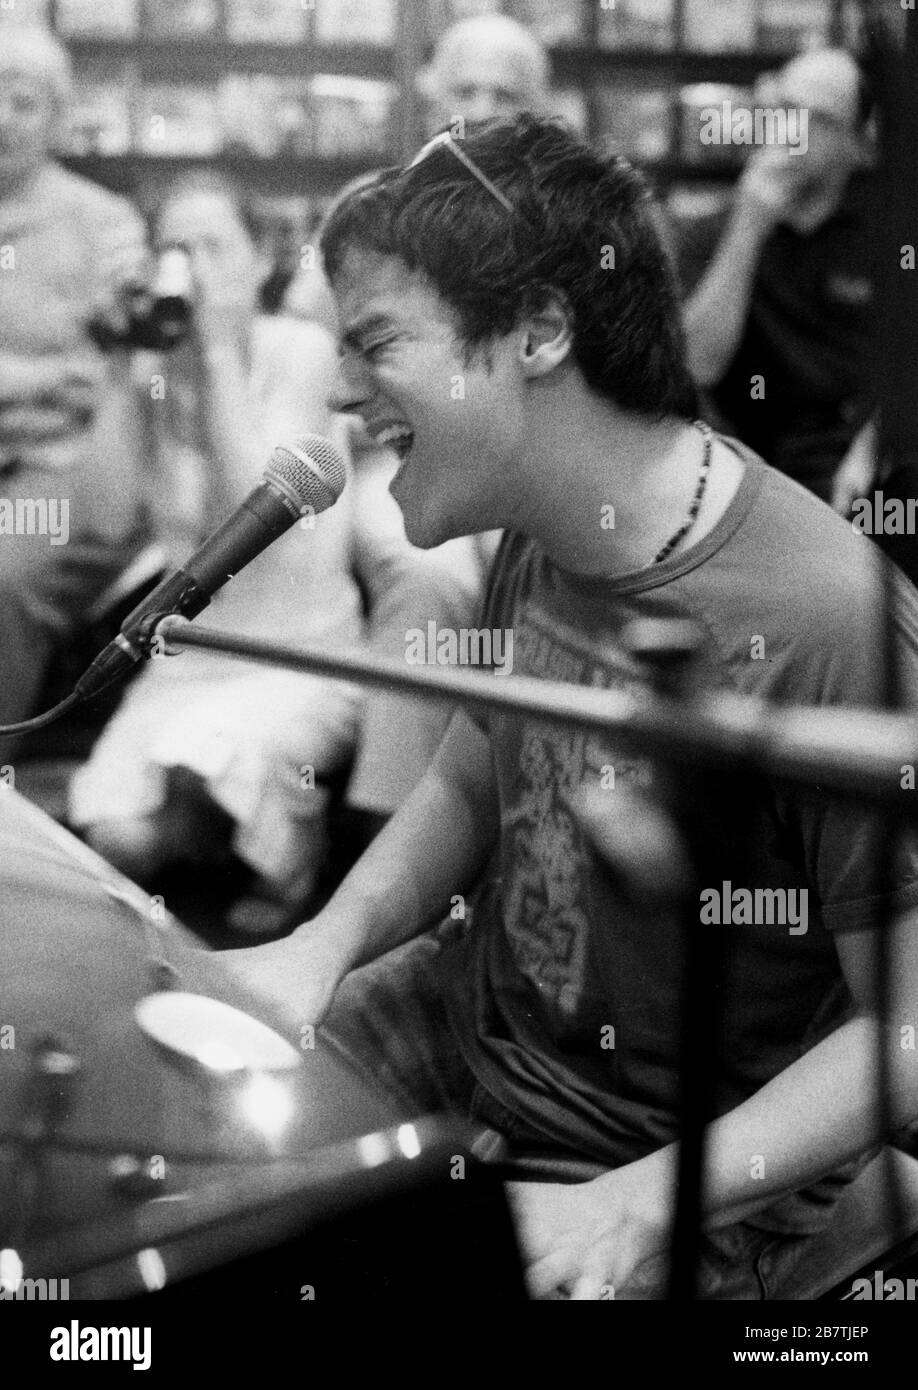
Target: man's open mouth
399	438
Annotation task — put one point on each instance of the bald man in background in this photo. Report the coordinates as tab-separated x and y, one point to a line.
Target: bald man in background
777	318
485	67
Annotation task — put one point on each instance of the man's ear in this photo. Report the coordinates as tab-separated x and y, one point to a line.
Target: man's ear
546	334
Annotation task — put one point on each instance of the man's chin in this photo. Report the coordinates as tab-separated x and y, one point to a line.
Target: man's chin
426	530
425	526
422	533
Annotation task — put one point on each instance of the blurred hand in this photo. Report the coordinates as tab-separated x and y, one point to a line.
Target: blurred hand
584	1241
774	181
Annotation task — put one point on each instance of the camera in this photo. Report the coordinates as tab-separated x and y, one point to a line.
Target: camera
155	314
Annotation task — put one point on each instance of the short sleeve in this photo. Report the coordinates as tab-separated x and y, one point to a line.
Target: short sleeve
844	841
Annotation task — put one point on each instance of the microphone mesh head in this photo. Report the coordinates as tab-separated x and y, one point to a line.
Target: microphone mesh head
310	470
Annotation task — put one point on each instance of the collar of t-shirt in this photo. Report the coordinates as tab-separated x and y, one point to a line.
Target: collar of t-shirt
652	576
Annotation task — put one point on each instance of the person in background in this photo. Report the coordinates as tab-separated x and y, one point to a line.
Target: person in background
777	315
68	442
207	753
483	67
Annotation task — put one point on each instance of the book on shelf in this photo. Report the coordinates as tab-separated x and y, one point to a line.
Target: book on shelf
352	115
173	19
553	21
174	118
252	110
114	19
294	121
283	219
270	117
636	121
266	21
720	26
355	21
637	24
790	25
99	117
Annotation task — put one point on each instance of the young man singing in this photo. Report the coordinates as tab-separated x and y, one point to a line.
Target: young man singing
511	325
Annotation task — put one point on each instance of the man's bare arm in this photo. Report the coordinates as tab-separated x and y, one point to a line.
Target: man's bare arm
717	310
716	313
432	848
821	1112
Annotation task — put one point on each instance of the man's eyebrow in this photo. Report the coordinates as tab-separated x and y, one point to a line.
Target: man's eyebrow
355	331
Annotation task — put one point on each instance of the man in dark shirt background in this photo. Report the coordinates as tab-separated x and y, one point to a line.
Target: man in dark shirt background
777	315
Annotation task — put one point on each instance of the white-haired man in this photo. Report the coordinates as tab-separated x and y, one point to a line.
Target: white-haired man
484	67
66	451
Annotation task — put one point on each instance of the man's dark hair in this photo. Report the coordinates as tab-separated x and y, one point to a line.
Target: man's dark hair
582	225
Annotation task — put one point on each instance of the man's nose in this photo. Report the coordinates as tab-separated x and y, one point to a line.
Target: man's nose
351	390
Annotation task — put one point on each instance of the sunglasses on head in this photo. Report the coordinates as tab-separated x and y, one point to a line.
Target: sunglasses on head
446	141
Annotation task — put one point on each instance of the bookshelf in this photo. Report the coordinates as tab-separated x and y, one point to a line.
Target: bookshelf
295	97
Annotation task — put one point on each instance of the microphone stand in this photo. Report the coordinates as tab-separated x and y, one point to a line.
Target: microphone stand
853	753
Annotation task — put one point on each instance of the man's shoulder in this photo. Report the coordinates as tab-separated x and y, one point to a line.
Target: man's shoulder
799	533
810	589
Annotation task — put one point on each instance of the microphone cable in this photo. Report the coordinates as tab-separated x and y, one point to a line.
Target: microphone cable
41	721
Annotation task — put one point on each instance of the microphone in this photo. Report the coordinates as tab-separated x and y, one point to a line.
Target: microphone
302	478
